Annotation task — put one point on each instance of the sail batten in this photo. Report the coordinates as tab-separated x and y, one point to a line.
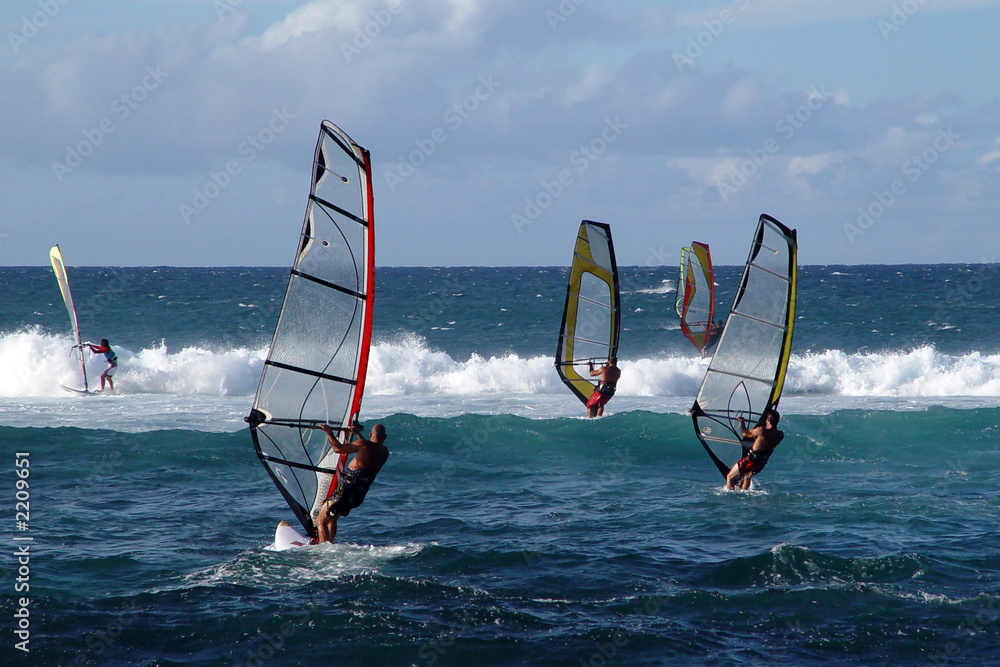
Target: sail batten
747	373
315	369
591	321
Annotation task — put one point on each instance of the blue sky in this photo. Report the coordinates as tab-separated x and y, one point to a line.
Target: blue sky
180	132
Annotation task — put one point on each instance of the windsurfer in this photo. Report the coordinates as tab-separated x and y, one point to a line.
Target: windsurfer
605	388
369	457
714	334
112	359
765	439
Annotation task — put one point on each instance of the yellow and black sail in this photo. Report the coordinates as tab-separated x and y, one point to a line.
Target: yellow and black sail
591	320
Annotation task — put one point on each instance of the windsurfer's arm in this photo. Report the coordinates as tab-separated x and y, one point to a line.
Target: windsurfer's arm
747	433
335	444
594	372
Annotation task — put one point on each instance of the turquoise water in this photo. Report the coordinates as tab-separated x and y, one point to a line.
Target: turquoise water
506	529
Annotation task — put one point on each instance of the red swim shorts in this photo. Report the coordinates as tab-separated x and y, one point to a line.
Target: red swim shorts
748	465
598	400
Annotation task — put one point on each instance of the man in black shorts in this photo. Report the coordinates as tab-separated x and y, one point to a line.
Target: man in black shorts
369	457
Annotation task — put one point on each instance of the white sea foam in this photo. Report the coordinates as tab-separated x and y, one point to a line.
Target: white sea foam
665	287
33	364
922	372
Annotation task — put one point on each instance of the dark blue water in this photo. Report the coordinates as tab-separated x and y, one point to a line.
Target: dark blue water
502	538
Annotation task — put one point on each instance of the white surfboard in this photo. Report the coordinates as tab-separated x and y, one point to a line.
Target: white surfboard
286	537
79	391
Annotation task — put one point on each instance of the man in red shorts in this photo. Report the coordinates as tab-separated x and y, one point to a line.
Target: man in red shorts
765	439
605	388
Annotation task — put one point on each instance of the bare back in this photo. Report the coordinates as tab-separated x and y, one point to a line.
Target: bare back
370	456
610	375
766	438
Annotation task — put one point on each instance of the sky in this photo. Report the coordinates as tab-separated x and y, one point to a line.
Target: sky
181	132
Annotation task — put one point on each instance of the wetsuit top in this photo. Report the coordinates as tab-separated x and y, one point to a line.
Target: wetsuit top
605	389
108	353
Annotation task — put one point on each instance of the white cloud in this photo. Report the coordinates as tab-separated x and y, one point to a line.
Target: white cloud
686	131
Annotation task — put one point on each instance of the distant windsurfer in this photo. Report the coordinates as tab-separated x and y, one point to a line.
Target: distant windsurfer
714	334
765	439
112	359
369	457
605	387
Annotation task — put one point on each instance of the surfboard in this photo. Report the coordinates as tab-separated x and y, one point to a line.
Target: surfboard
86	392
286	537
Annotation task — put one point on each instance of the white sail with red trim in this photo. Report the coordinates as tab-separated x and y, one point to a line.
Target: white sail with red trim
315	369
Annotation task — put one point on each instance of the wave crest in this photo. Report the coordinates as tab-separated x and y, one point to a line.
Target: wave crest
33	363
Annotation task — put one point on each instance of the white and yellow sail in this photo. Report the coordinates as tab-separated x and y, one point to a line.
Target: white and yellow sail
591	320
59	268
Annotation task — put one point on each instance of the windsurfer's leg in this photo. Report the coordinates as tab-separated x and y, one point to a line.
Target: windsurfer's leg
326	524
331	531
733	477
746	481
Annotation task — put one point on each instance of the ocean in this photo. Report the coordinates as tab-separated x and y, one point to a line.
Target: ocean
505	529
